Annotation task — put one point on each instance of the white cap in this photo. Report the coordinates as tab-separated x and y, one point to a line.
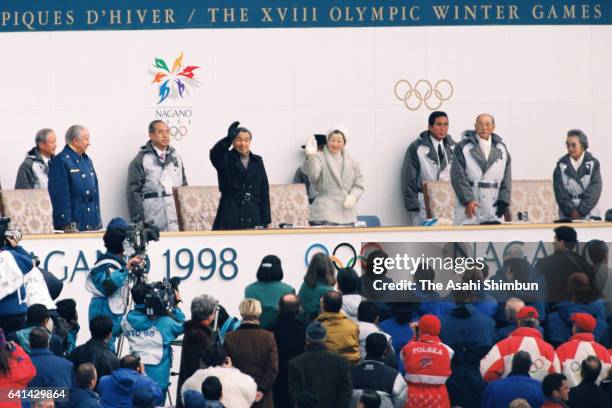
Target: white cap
339	128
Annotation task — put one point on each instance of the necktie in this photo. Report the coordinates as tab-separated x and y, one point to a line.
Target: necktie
441	157
162	157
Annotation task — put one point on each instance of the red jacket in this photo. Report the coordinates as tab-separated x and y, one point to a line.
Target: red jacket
576	349
21	372
427	363
498	361
552	404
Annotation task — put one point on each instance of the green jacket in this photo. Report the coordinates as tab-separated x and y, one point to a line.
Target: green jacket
310	299
268	294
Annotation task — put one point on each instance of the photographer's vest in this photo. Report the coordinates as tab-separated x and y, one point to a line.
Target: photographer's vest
148	343
117	301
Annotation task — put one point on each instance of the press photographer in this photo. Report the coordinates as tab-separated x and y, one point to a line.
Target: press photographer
108	280
153	325
15	262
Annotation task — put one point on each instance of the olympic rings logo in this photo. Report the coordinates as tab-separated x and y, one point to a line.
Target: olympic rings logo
422	92
178	132
538	364
338	264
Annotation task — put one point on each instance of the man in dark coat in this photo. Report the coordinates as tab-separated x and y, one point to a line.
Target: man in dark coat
323	373
557	267
82	394
290	335
587	394
198	336
243	183
96	350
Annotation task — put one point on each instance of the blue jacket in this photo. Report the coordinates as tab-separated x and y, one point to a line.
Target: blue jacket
10	304
193	399
470	334
116	390
84	398
99	304
501	393
71	338
430	301
465	326
142	327
73	188
559	328
486	304
400	335
51	370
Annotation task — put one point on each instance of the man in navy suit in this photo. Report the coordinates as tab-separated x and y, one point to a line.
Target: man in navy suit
73	185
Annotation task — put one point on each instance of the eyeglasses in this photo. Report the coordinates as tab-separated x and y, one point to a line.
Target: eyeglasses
567	144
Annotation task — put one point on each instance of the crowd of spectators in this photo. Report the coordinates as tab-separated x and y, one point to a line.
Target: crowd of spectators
329	346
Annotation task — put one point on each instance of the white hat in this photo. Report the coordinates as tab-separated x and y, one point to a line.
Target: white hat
340	128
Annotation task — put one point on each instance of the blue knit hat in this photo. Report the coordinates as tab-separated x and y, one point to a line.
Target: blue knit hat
117	222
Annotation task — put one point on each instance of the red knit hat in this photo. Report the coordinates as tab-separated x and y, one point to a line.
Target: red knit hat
527	312
429	324
584	321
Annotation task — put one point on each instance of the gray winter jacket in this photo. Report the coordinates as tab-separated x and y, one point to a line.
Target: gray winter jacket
334	181
421	163
149	186
579	190
33	172
474	178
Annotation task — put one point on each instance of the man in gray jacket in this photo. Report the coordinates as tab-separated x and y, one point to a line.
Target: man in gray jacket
34	170
155	170
480	175
428	158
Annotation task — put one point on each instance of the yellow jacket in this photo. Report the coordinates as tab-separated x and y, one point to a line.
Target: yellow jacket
342	335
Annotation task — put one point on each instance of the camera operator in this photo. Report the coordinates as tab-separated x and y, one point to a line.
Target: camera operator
155	322
14	263
108	279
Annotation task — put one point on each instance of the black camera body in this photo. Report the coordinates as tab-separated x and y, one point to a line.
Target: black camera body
159	299
137	235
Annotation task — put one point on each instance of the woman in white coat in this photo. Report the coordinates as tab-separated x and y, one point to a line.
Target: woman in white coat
336	176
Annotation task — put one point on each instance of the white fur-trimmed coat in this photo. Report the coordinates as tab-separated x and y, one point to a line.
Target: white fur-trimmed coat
239	389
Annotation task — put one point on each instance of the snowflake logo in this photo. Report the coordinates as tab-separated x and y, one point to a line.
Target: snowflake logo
173	83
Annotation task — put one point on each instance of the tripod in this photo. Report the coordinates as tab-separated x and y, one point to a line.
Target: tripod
134	278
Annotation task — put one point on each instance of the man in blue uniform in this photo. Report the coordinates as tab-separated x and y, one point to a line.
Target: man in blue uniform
73	185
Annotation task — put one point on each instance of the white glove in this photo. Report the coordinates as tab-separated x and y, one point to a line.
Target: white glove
311	146
349	202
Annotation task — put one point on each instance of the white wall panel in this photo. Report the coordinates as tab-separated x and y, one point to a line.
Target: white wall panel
286	84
